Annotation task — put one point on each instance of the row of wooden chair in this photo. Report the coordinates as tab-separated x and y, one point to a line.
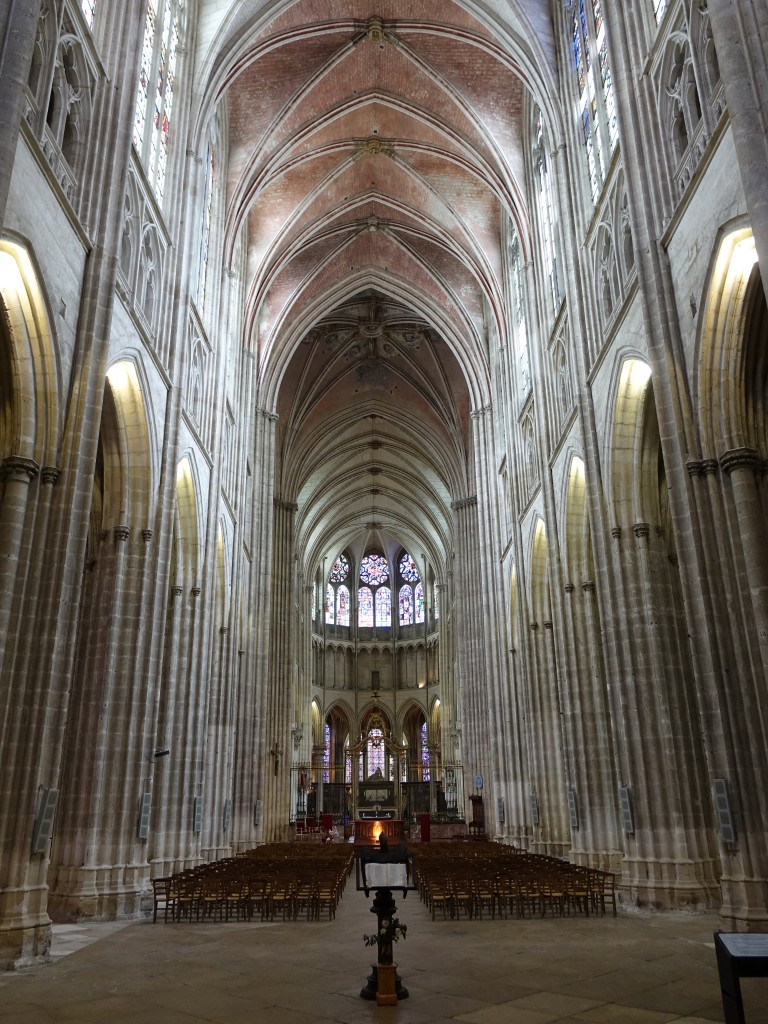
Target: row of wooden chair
268	883
505	885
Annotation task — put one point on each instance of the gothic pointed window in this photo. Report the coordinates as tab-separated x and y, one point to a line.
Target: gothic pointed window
337	595
546	208
155	94
374	598
424	754
520	331
205	227
327	754
594	83
418	600
406	605
375	752
383	606
342	606
659	7
411	591
365	607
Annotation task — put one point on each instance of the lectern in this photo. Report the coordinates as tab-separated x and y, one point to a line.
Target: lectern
381	871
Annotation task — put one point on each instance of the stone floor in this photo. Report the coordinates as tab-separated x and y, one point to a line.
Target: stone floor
633	970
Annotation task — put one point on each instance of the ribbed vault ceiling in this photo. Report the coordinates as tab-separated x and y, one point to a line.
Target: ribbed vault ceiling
374	154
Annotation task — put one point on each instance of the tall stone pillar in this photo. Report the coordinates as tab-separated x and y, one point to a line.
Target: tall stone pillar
18	28
254	763
470	647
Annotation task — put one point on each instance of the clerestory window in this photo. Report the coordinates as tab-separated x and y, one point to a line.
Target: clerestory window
154	100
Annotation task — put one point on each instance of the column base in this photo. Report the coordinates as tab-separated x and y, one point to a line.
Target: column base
104	893
667	884
25	928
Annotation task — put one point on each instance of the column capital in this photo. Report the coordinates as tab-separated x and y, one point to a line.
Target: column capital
121	533
641	530
463	503
50	475
19	467
740	458
701	467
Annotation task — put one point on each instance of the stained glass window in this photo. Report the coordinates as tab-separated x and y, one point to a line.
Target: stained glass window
374	570
154	99
424	754
406	606
597	105
342	606
327	754
659	6
408	569
365	606
383	607
205	233
89	9
314	601
546	207
436	599
518	313
329	606
375	751
341	598
418	597
340	570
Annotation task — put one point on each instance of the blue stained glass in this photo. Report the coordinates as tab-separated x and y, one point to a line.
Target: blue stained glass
327	754
340	570
424	754
375	752
374	570
383	606
365	606
406	606
585	35
408	569
578	61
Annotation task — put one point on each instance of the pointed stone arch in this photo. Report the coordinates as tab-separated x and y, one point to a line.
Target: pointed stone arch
731	360
625	435
29	382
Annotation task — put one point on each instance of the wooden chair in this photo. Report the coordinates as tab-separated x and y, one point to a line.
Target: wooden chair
163	898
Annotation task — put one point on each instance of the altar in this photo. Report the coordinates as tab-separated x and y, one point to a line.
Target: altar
367	831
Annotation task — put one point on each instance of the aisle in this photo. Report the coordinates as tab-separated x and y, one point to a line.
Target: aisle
632	970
